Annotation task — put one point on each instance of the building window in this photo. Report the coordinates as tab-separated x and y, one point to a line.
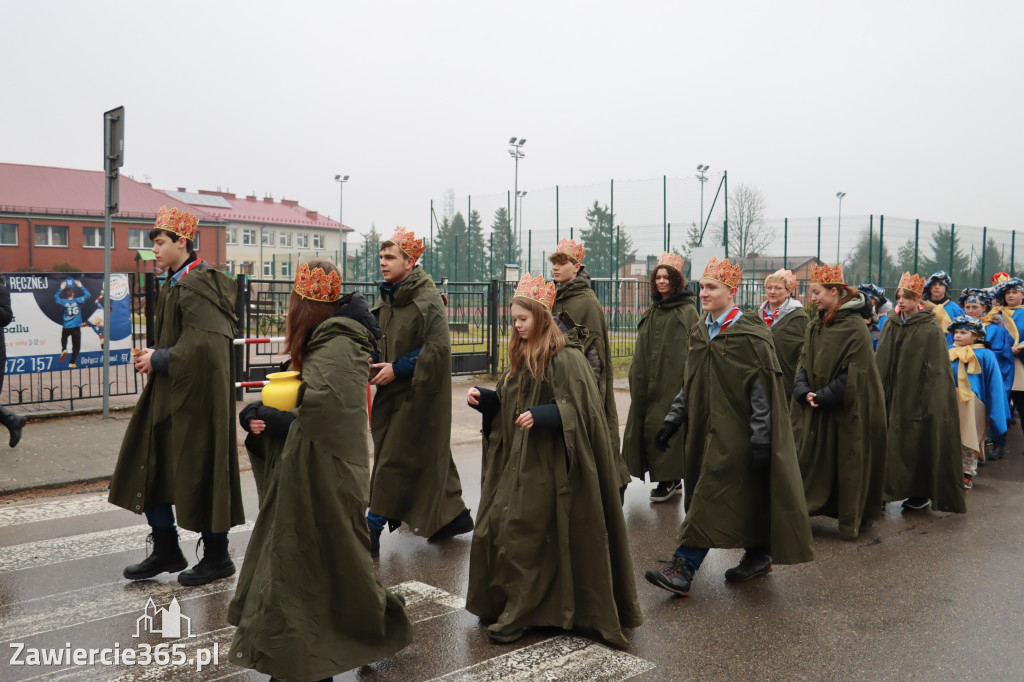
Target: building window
268	238
230	267
302	240
139	239
8	234
268	268
249	237
93	237
231	236
51	235
286	268
285	239
195	242
318	241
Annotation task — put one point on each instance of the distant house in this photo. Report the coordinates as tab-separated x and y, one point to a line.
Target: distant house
756	268
268	238
51	216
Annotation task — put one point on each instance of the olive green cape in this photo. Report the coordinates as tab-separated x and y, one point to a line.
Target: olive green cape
788	334
842	449
923	458
727	504
414	478
580	302
308	603
654	380
550	546
180	445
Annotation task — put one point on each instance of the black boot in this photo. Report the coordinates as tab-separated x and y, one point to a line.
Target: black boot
14	423
214	565
166	556
463	523
753	564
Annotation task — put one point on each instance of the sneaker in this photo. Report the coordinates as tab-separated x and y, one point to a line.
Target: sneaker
916	503
752	565
73	366
63	354
506	636
675	578
968	481
665	490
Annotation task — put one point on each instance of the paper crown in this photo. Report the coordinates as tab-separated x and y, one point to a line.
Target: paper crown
786	276
723	271
672	259
406	240
317	285
536	289
180	223
1000	277
571	249
911	282
827	274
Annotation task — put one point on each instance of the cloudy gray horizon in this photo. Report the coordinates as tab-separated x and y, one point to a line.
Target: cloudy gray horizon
908	107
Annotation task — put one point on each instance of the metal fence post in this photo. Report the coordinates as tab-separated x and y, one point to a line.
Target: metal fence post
611	227
984	245
529	250
242	330
668	227
664	212
556	214
917	241
492	320
881	247
871	242
818	255
785	243
431	254
508	209
1013	244
469	240
952	241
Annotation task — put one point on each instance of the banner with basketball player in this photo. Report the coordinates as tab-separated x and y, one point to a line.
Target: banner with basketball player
58	321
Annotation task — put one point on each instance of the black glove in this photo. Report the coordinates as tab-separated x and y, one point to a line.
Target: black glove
665	433
249	412
760	456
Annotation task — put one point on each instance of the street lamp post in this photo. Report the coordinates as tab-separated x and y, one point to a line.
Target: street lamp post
701	170
519	239
516	152
839	222
341	180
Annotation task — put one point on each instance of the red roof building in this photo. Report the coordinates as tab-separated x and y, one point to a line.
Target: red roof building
51	216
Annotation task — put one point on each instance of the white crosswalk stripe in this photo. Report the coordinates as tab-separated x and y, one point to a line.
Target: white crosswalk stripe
51	510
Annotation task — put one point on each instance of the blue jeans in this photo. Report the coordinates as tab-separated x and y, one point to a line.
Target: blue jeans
694	556
161	517
375	522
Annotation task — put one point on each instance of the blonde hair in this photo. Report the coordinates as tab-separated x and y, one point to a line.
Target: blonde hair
786	276
544	341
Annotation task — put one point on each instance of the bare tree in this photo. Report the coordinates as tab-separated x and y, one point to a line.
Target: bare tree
748	233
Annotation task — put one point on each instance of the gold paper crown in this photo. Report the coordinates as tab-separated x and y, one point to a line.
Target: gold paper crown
827	274
911	282
536	289
724	272
671	259
1000	277
317	285
571	249
406	240
180	223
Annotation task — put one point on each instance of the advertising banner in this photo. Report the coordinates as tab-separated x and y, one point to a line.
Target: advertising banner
58	321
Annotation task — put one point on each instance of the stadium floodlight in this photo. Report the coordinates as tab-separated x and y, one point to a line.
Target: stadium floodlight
512	140
839	222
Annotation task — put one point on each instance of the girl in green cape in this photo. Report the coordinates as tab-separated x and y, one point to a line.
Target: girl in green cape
550	546
308	603
838	409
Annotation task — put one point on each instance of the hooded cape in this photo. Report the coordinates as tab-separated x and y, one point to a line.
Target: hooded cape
309	604
581	303
842	449
414	477
788	333
180	445
550	545
654	379
727	504
923	443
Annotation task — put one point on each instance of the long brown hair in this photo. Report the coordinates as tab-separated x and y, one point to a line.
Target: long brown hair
851	293
303	317
544	341
675	280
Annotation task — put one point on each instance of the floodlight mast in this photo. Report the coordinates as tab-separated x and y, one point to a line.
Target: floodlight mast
839	222
516	152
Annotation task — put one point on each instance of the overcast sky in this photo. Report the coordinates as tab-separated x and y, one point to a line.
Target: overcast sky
912	108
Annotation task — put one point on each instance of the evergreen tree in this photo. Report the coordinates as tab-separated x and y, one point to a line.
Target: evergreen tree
603	253
862	264
502	246
441	263
958	267
478	263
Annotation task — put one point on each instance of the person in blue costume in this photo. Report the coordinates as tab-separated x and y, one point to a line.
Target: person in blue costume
977	304
1009	297
979	393
936	296
881	307
72	319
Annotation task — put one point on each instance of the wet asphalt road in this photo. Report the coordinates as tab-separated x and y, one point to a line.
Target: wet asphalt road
918	596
